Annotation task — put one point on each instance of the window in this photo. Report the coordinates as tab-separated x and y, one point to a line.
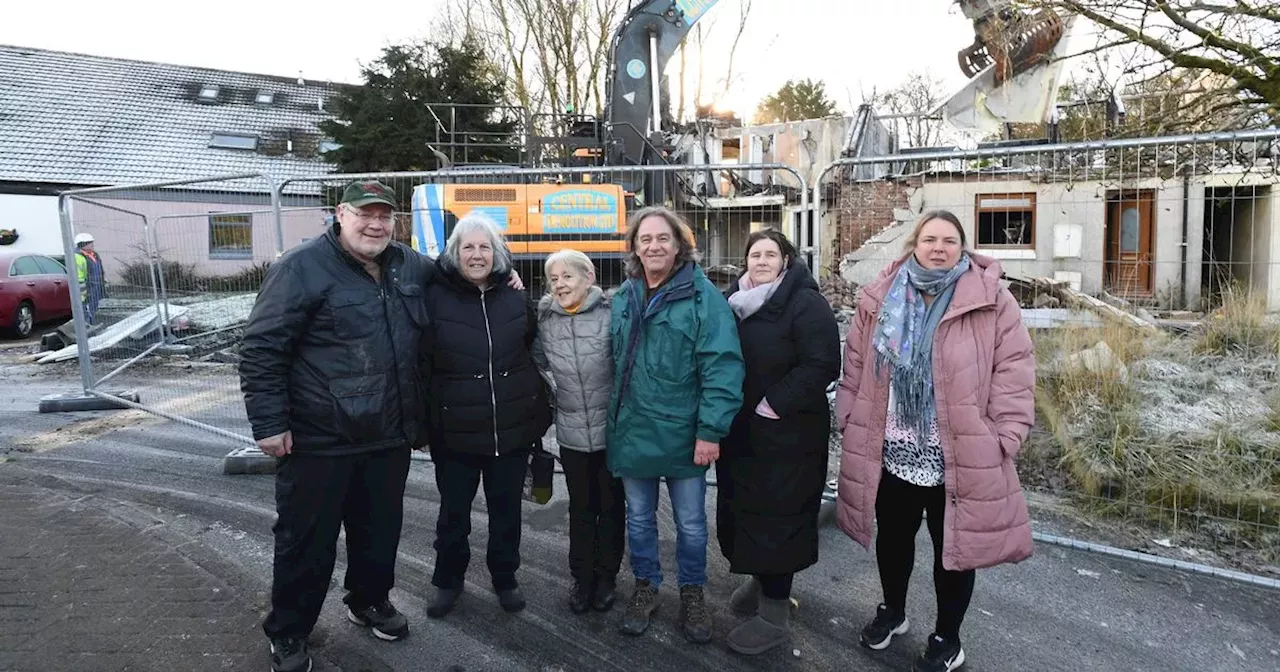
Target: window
1006	220
208	93
265	97
24	266
49	266
1129	230
230	237
233	141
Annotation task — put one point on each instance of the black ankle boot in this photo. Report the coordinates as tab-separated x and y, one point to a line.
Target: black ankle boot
443	602
606	593
580	597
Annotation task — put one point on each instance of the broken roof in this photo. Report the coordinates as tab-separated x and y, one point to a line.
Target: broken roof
90	120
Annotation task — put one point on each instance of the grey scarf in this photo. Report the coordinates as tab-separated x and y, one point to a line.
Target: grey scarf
903	338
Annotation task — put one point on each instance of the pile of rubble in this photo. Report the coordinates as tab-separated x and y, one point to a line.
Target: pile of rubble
205	328
840	293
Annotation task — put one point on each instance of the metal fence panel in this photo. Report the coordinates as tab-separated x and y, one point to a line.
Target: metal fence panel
181	263
1149	271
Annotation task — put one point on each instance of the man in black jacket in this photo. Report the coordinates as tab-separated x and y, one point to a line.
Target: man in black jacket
334	389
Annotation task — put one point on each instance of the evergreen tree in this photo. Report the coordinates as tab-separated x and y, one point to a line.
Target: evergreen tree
417	96
796	101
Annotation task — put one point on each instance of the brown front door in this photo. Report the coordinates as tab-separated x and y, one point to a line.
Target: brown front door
1130	242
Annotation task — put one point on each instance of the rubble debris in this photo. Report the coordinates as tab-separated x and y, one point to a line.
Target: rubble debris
213	320
1058	318
863	265
840	293
134	327
1046	301
1107	310
1036	292
1040	292
1099	360
222	312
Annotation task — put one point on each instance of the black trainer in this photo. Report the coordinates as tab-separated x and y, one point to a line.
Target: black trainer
643	603
880	631
512	600
289	654
383	619
580	597
942	655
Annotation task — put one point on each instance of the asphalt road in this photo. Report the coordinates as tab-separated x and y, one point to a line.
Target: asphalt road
1060	610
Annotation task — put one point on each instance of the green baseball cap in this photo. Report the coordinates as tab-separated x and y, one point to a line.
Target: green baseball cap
367	192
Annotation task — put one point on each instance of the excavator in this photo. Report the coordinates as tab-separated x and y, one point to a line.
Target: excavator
574	210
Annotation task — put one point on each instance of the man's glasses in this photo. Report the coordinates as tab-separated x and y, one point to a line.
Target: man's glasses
368	217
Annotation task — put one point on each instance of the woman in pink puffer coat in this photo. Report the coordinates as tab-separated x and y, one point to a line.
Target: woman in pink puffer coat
935	400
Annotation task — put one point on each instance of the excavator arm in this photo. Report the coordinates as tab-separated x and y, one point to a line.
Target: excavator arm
642	44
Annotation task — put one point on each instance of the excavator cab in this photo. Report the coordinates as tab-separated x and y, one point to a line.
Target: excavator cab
1010	40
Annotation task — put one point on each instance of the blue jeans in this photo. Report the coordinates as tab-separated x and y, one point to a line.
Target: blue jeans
689	508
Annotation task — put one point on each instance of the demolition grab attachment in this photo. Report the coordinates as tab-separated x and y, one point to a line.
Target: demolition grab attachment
1012	41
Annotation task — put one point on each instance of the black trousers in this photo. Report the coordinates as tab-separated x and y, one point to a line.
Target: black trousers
899	506
315	497
458	477
776	586
597	516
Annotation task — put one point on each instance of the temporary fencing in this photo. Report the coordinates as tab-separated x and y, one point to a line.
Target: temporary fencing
182	263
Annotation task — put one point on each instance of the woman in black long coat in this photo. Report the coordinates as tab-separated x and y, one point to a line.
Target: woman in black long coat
773	463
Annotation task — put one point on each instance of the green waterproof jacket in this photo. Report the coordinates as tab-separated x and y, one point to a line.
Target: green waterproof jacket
678	374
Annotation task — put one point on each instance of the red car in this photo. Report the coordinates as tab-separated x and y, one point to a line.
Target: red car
33	288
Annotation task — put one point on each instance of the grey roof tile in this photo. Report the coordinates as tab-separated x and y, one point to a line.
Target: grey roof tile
91	120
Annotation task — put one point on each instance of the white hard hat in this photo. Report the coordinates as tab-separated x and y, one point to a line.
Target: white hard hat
82	238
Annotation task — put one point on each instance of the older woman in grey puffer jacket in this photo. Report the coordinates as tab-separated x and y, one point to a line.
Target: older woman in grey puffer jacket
573	350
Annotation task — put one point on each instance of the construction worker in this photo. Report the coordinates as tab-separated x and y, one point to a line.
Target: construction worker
93	281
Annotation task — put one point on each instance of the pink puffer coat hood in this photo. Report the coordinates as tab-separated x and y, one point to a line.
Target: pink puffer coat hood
984	382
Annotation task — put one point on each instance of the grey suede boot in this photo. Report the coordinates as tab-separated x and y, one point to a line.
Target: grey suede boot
745	599
768	629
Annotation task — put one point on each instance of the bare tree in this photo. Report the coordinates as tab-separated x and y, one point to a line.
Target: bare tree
744	12
555	52
683	70
912	105
702	64
1234	43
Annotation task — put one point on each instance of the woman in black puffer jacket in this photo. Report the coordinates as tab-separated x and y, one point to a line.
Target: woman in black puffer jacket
487	407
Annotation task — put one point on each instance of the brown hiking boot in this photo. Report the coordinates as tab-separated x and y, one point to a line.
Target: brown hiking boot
643	603
694	617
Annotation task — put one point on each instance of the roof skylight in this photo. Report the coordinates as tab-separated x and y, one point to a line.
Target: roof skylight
233	141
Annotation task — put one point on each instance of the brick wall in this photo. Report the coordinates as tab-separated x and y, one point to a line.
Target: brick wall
865	208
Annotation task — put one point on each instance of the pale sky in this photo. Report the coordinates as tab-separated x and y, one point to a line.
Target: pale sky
878	46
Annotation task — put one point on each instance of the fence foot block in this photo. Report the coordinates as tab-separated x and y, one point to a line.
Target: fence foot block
78	401
826	513
248	460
